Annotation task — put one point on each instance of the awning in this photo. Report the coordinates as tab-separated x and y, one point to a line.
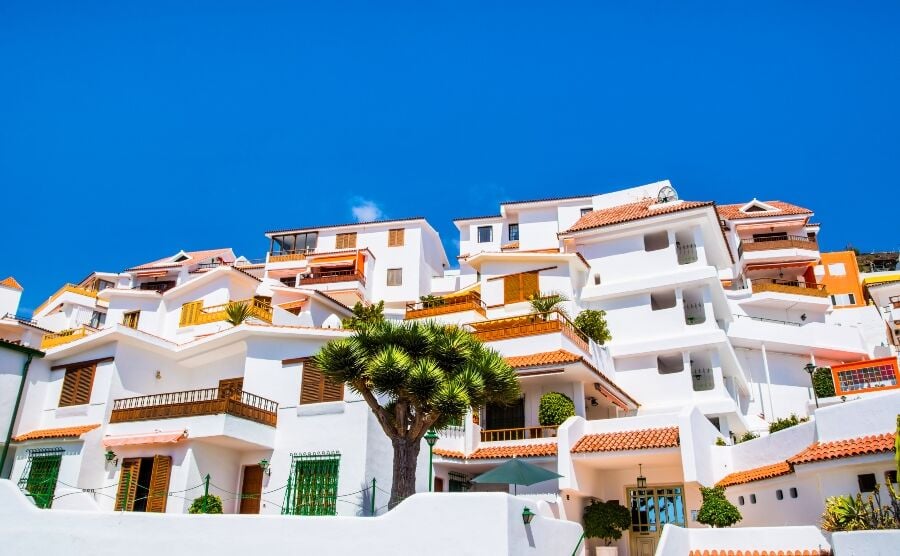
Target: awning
768	226
343	260
148	438
151	273
777	266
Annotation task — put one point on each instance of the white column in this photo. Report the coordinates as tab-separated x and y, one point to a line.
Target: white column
771	413
578	392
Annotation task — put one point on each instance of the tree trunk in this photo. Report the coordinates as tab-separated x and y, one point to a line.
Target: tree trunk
406	453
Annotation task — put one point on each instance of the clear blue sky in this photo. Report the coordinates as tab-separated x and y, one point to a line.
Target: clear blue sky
130	130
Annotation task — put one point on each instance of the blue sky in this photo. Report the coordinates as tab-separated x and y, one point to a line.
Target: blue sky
130	130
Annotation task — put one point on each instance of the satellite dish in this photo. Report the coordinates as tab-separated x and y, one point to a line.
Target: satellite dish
666	195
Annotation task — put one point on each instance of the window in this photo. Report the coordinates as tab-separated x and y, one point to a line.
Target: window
740	500
294	243
866	375
774	236
395	277
586	210
519	287
131	319
395	237
657	241
144	484
840	299
662	300
98	319
866	482
837	269
346	241
458	482
513	232
779	494
40	473
485	234
77	385
312	485
159	285
890	477
793	492
289	281
753	499
316	388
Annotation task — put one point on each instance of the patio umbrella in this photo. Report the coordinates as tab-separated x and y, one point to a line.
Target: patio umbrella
516	472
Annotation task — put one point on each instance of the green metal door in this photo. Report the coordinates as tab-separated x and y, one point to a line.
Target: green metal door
312	484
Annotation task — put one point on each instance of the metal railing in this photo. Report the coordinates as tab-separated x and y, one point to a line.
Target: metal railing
189	403
442	305
523	433
777	242
687	253
775	321
788	286
332	276
529	325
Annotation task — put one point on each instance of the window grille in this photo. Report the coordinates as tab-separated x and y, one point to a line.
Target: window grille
40	473
312	484
458	482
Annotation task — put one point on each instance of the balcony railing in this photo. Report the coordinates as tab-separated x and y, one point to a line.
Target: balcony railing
774	321
788	286
67	288
66	336
288	255
499	435
687	253
194	313
782	242
192	403
445	305
332	276
529	325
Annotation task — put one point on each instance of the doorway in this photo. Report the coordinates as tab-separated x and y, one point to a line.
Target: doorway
251	489
144	484
502	417
653	508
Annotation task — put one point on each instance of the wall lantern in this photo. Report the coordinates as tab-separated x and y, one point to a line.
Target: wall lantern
264	465
111	457
641	480
810	368
527	515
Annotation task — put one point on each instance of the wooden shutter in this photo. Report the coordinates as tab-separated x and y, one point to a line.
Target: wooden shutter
159	484
518	287
128	481
316	388
346	241
77	385
395	237
529	284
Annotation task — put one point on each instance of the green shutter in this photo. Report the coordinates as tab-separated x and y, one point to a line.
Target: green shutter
312	484
40	474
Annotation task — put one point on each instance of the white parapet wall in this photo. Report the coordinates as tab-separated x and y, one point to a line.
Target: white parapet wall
678	541
434	524
866	543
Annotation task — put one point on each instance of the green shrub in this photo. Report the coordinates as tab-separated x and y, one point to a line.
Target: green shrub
823	382
606	520
593	324
554	409
786	422
429	301
364	315
716	510
720	441
746	436
213	505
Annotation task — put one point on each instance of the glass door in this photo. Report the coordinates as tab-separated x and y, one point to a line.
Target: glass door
653	508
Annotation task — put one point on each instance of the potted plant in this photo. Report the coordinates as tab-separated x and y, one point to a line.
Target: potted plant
606	521
554	409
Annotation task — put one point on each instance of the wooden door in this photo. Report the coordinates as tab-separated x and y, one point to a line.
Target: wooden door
128	482
159	484
643	546
438	484
251	489
231	388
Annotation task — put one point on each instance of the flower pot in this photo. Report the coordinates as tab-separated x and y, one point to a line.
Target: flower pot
607	551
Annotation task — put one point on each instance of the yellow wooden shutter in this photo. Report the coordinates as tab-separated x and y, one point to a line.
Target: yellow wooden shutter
529	284
128	480
395	237
346	241
159	484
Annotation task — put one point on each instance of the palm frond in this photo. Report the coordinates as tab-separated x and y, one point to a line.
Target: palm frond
237	312
545	302
342	360
388	370
425	379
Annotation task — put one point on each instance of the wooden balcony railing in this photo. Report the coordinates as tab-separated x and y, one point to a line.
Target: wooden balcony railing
771	243
529	325
788	286
443	305
288	255
191	403
66	336
330	277
195	313
498	435
67	288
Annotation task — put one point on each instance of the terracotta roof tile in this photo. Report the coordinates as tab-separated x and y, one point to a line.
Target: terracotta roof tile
64	432
449	453
195	257
544	358
733	212
754	552
10	282
632	211
643	439
502	452
509	246
756	474
821	451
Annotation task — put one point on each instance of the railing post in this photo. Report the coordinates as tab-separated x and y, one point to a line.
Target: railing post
205	491
373	497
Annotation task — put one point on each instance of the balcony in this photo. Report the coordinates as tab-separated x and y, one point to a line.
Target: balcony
785	245
66	336
192	403
287	255
71	288
524	433
194	313
793	287
446	305
529	325
332	277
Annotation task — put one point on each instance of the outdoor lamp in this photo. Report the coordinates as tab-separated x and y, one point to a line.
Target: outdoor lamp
431	438
527	515
641	480
264	465
110	457
810	368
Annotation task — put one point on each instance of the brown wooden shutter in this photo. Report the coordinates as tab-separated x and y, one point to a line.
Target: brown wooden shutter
395	237
529	284
512	289
128	481
346	241
159	484
332	391
77	385
316	388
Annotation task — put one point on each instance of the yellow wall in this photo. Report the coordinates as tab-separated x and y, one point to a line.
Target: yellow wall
849	282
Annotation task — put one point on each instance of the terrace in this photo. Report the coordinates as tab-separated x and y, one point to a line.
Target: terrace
795	287
529	325
192	403
194	312
445	305
66	336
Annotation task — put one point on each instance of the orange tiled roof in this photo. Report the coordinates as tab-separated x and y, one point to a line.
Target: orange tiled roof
544	358
501	452
10	282
628	440
733	212
64	432
195	257
632	211
510	245
756	474
753	552
821	451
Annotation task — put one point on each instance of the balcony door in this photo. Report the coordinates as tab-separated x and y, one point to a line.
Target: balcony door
497	417
144	484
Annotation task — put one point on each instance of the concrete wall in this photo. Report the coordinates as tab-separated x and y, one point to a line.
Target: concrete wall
677	541
868	543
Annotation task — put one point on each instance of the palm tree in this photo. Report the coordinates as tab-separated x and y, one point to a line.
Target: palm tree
237	312
546	302
417	376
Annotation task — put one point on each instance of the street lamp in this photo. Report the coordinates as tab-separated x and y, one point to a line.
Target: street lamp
810	368
431	438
